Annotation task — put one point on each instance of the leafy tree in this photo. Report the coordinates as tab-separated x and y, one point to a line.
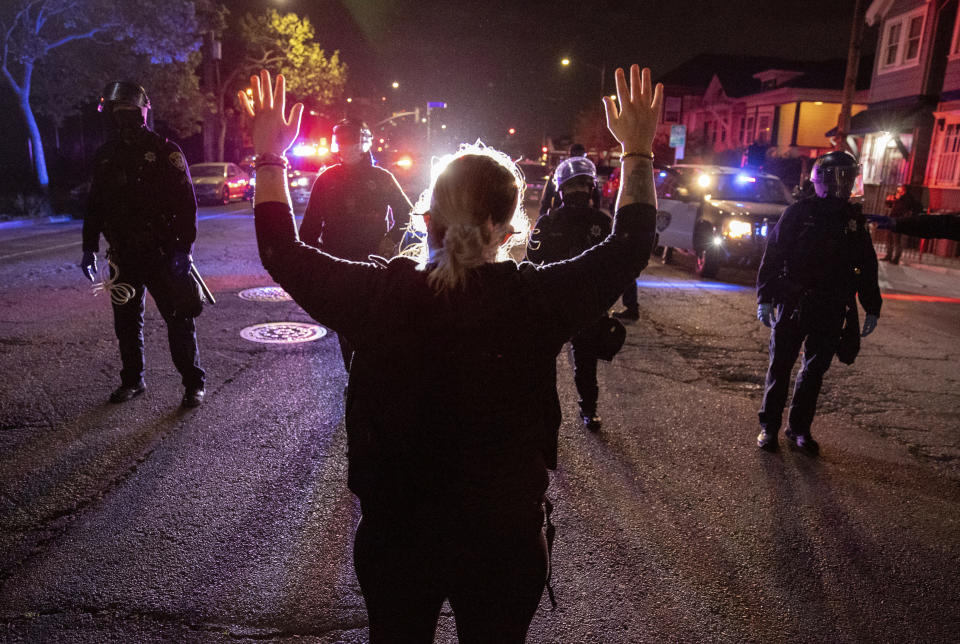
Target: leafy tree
286	44
32	31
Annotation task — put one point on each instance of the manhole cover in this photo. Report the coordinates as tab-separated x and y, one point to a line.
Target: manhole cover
283	332
265	294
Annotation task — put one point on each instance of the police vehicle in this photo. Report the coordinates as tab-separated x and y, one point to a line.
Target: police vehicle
719	214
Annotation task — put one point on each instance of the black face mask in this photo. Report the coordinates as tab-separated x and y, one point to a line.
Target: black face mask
576	199
126	120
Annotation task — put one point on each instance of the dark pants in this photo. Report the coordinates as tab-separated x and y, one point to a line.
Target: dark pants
894	247
585	375
346	351
128	324
493	573
819	336
629	296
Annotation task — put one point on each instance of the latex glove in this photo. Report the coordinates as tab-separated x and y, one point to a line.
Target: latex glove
89	266
765	313
882	222
180	263
869	324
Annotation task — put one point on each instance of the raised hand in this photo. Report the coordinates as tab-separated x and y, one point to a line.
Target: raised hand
272	133
634	123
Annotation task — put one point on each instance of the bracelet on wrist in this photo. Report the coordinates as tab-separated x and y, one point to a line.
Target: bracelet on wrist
642	155
270	158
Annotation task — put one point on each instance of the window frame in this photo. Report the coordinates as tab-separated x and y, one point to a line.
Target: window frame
955	40
902	21
938	151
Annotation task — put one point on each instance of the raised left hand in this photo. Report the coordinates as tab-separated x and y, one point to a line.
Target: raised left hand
272	133
869	324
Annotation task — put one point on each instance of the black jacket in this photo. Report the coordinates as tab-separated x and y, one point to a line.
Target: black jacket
141	198
819	250
452	397
347	212
566	232
930	226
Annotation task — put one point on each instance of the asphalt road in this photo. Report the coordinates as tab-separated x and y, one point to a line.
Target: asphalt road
145	523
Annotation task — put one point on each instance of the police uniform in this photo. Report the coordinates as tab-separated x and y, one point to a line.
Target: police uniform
142	201
351	209
558	235
818	259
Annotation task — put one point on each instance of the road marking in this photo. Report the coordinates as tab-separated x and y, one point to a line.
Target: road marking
39	250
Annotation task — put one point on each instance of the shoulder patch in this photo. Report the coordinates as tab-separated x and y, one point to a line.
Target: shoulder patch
177	161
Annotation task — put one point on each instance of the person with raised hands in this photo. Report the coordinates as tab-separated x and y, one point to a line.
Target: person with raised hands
452	412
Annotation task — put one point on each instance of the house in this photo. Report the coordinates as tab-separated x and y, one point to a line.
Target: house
762	111
910	132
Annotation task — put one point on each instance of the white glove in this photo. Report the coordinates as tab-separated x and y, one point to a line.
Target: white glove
765	313
869	324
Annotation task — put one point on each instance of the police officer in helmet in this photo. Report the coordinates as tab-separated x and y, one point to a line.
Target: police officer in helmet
819	259
356	208
142	202
563	233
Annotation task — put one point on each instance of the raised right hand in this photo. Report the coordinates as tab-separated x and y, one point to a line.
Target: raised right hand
634	124
272	133
89	266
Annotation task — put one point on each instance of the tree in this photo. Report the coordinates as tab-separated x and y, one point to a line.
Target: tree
284	44
31	31
590	129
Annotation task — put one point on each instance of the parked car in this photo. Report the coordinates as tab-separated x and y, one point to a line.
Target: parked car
536	177
720	214
219	182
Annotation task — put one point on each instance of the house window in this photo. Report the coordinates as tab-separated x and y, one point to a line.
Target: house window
946	160
671	109
902	40
748	132
763	123
955	42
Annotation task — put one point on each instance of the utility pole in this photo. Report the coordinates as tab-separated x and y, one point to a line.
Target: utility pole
850	80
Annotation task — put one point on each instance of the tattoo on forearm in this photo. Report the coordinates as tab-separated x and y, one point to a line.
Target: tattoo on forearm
639	186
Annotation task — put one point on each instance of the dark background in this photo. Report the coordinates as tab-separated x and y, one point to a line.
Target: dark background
497	64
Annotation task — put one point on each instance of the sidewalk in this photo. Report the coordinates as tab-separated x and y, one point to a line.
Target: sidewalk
920	279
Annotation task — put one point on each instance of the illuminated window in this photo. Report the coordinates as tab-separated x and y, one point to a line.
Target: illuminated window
902	40
882	160
671	109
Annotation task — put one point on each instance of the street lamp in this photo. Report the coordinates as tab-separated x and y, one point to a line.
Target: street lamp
565	62
395	85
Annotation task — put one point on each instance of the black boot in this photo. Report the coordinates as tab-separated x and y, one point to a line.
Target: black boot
591	419
628	314
767	440
123	393
193	397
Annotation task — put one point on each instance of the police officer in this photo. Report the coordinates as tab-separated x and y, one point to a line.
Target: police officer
550	198
356	208
566	232
818	259
143	203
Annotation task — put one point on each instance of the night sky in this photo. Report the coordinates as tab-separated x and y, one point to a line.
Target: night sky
498	63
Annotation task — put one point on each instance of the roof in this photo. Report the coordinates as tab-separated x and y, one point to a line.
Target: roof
894	116
736	73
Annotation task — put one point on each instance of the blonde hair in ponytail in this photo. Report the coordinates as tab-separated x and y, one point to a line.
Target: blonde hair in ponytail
474	199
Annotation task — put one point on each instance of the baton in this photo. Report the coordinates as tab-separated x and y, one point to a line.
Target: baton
207	295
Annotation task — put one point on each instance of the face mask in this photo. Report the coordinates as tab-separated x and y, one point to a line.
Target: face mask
127	119
576	199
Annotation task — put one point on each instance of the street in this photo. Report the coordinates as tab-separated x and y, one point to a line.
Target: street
143	522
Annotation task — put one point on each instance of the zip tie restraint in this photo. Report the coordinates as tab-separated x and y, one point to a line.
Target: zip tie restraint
120	292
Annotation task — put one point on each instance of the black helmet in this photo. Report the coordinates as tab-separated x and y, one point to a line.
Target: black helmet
351	132
834	174
124	92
